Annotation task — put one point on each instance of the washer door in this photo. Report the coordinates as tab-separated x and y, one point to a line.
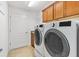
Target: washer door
56	43
38	37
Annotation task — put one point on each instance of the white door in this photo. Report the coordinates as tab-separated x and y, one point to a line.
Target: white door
18	36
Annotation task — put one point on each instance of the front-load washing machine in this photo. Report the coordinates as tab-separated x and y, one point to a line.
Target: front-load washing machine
39	42
61	39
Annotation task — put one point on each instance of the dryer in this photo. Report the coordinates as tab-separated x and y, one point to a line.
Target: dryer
61	39
39	42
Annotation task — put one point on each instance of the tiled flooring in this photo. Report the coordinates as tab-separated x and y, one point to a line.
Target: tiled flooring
22	52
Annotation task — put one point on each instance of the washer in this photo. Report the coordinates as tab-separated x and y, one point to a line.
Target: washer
61	39
39	42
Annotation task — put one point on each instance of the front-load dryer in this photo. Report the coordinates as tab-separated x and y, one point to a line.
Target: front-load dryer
39	42
61	39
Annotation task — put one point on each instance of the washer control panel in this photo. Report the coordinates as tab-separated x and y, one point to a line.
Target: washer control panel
41	25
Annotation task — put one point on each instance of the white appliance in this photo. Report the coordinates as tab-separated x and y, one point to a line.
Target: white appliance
61	39
39	45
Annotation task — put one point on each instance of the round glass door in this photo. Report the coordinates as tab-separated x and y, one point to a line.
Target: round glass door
38	37
56	43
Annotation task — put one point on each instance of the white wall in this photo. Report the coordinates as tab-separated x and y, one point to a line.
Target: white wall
3	28
22	22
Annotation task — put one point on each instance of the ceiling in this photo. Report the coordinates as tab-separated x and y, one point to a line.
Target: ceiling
24	5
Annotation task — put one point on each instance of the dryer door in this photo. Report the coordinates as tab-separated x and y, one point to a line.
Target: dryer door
38	37
56	43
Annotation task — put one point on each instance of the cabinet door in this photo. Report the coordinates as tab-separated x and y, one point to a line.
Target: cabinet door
72	8
45	15
32	39
58	10
50	13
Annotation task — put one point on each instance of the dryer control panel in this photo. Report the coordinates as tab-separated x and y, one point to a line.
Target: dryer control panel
65	23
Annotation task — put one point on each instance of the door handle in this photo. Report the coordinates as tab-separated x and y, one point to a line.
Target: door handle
1	49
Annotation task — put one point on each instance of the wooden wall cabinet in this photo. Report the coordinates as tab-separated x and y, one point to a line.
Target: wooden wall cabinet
71	8
61	9
45	14
58	10
48	14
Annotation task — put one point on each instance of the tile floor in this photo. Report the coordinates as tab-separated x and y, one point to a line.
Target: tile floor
22	52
